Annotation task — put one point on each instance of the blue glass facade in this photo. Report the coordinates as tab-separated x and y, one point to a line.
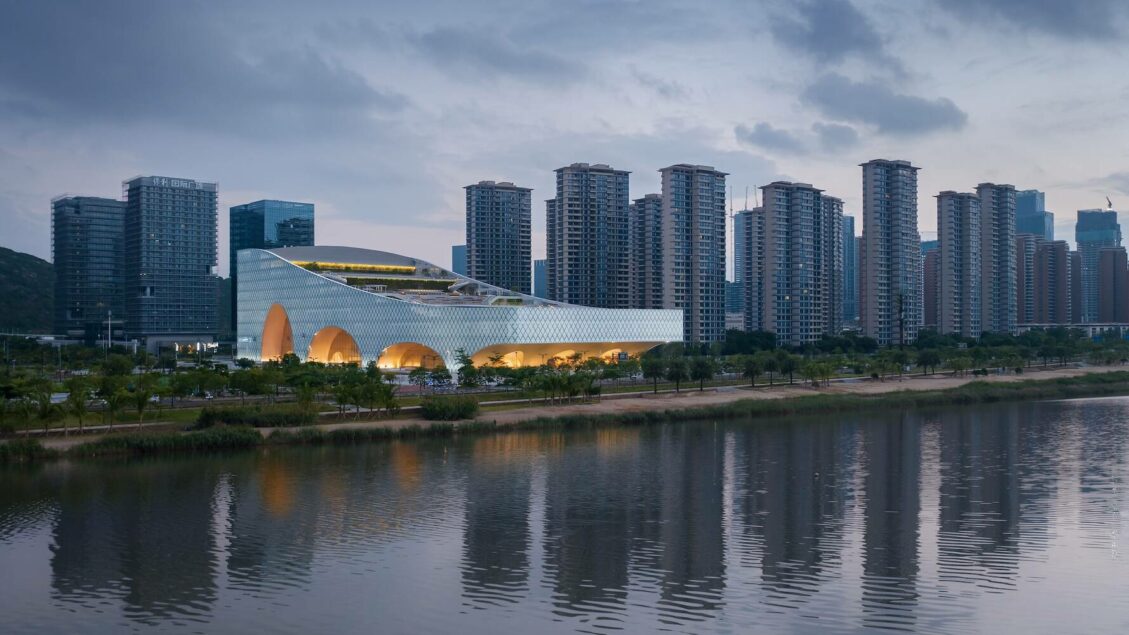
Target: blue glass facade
540	284
1031	215
458	259
1094	230
850	271
86	242
267	224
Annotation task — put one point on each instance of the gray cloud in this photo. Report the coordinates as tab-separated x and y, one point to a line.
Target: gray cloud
766	136
878	105
136	61
486	54
1086	19
667	88
834	137
1115	182
831	31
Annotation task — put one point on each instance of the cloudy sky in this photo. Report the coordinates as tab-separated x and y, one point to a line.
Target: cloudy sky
379	112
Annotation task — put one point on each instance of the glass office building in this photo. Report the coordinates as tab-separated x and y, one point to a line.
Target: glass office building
86	246
1094	230
170	260
267	224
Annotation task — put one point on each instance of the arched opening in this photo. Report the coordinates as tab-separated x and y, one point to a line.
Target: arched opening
277	338
334	345
611	355
409	355
562	357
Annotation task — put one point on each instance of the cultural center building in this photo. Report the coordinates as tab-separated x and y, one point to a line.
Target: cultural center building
349	305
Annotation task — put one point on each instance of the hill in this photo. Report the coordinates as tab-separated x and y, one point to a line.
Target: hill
27	285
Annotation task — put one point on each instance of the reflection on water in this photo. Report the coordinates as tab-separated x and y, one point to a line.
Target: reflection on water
993	518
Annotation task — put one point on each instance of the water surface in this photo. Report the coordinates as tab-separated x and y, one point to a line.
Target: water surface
1003	518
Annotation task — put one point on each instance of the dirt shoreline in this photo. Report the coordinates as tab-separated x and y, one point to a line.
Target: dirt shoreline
690	398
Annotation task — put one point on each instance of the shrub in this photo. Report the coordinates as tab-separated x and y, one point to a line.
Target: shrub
223	438
257	416
448	408
24	450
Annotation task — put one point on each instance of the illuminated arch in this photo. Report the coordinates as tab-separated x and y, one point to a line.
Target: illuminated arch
277	337
334	345
409	355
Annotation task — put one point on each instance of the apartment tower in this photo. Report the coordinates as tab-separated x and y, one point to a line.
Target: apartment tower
890	297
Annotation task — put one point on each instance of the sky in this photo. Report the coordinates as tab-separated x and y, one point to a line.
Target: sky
380	112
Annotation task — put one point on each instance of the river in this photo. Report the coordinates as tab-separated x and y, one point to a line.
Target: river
997	518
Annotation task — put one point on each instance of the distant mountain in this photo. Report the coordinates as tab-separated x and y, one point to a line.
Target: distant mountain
27	286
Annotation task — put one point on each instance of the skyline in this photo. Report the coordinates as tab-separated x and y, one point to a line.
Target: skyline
380	121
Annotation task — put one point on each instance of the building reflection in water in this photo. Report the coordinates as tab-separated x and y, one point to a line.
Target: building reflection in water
892	455
682	523
138	532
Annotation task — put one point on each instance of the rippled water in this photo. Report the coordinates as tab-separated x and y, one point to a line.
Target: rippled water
1005	518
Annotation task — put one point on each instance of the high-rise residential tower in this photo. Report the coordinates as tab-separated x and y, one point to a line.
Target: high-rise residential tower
1113	282
752	239
740	254
693	249
646	223
1052	283
86	245
850	271
1095	229
931	288
997	257
587	258
498	234
1031	215
890	298
959	218
802	266
170	260
1025	247
266	224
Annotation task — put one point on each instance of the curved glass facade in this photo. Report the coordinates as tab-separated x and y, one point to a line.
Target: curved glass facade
412	320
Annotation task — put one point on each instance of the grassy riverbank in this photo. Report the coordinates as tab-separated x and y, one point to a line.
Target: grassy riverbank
245	438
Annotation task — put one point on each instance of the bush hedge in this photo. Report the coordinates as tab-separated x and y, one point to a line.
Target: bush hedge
448	408
256	416
21	450
211	440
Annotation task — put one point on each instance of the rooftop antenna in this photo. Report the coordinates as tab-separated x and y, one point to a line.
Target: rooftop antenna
1109	203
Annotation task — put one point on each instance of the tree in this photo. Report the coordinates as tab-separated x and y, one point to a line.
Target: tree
786	364
701	369
244	363
117	365
419	378
115	402
750	368
810	372
78	394
142	393
468	374
769	363
928	359
653	368
45	410
677	371
439	376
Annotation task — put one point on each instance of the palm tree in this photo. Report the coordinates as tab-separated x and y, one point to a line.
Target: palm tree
76	401
115	403
45	410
